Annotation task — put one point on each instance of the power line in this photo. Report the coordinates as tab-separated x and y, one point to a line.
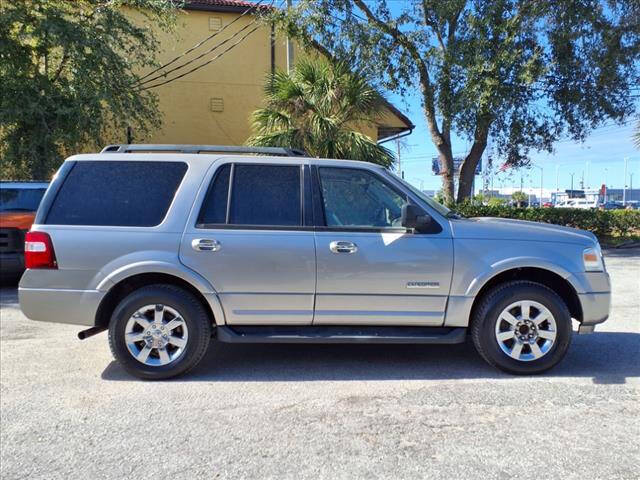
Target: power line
215	47
230	47
199	44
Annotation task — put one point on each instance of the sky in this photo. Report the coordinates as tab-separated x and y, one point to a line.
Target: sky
601	156
604	150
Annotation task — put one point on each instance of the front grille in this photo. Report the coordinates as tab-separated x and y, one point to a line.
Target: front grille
11	240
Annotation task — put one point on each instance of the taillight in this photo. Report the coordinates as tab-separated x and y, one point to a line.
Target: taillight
38	251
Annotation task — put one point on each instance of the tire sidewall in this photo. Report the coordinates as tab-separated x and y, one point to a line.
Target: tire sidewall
176	299
502	300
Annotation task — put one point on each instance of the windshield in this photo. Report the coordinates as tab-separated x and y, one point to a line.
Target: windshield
444	211
20	199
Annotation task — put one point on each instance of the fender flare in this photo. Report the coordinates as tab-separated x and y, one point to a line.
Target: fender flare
186	274
518	262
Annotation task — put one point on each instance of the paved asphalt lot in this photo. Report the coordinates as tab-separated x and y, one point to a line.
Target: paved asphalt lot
68	411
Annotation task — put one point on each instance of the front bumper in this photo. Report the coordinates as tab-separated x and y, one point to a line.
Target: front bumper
77	307
595	307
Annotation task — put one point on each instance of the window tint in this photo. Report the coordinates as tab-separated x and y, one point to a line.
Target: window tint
358	198
265	195
214	208
116	193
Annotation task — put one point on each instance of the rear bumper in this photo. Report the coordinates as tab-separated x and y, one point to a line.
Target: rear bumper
77	307
11	263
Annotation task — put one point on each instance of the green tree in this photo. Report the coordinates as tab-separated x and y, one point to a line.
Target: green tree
317	107
68	71
523	73
496	202
519	198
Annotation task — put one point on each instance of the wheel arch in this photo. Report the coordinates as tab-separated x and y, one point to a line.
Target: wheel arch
127	284
543	276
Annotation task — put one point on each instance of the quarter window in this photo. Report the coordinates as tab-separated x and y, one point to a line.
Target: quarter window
214	209
109	193
358	198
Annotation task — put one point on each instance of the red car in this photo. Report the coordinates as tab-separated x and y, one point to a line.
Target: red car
18	204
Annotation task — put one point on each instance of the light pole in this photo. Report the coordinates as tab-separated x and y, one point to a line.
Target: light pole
572	174
557	183
606	185
624	183
541	181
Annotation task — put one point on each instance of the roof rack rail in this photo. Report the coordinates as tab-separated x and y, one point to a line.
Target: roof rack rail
149	147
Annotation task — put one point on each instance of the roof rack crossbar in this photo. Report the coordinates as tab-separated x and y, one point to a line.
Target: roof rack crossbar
141	147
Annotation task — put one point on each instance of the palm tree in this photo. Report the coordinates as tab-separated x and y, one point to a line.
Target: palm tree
317	107
636	135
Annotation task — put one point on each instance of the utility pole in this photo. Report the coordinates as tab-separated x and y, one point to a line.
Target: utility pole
399	158
606	186
289	45
624	183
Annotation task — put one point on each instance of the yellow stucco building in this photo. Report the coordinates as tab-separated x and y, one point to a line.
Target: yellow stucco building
212	105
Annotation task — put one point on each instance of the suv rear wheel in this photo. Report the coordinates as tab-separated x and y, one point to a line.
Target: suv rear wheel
522	328
159	331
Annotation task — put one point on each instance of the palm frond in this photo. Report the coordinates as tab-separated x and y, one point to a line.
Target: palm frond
317	107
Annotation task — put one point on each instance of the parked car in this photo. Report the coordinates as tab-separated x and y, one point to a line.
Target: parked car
18	204
547	205
166	250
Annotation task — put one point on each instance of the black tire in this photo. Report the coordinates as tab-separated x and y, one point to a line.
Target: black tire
197	321
491	306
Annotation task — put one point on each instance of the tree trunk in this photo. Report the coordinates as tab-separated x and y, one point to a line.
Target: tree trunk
467	173
446	160
468	167
445	155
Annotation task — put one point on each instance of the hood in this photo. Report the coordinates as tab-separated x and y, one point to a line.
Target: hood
510	229
20	220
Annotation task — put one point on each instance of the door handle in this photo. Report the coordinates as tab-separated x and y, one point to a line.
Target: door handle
343	247
205	245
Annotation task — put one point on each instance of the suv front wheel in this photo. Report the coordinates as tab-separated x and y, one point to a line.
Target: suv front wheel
522	327
159	331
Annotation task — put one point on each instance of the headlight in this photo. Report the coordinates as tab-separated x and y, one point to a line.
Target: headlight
592	258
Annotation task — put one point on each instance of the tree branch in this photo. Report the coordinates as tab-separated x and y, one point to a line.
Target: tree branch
423	72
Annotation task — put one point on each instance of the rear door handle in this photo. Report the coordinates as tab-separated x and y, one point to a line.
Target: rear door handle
205	245
343	247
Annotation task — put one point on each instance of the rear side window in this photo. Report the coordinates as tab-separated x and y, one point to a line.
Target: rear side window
265	195
127	194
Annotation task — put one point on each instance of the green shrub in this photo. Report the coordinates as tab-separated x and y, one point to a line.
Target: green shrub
601	222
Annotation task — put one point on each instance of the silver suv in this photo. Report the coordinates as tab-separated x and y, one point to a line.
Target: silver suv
168	246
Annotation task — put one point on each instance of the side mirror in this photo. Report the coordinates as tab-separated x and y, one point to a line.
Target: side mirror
414	217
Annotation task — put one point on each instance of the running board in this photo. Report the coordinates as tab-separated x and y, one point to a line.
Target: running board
338	334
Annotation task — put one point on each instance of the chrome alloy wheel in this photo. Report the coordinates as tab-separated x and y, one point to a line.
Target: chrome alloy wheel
156	335
526	330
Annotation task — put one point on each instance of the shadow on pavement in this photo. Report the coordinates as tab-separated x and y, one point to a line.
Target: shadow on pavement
607	357
621	252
